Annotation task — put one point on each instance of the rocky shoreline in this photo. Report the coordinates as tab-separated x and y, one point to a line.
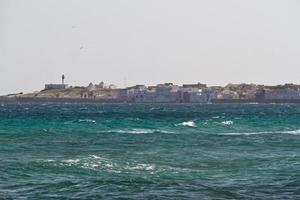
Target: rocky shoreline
161	93
86	100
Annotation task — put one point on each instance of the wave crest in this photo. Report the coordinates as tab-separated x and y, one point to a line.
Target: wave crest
87	121
228	122
94	162
293	132
137	131
245	133
189	123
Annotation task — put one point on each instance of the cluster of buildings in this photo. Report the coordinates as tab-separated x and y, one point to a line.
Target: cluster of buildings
196	93
187	93
166	92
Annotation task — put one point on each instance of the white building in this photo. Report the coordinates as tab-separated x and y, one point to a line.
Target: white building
227	94
201	96
166	93
91	87
284	93
195	95
55	86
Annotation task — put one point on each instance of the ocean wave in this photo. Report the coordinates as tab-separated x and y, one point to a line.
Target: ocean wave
216	117
91	121
152	108
89	162
146	167
245	133
71	162
228	122
138	131
99	163
94	162
293	132
188	124
87	121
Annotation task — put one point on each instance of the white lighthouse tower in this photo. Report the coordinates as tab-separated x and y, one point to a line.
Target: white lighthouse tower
63	79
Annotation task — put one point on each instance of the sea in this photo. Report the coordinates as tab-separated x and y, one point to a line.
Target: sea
149	151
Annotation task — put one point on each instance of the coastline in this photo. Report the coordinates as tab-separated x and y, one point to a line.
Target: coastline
118	101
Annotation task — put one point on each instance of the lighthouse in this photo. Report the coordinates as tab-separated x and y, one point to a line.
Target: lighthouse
57	86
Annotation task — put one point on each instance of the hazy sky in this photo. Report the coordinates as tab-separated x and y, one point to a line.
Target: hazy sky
128	42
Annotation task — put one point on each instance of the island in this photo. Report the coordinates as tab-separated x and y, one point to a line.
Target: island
162	93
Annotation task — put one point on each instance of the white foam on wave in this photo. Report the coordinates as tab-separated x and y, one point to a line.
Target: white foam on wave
94	162
228	122
87	120
93	156
147	167
294	132
245	133
138	131
188	124
89	162
71	162
50	160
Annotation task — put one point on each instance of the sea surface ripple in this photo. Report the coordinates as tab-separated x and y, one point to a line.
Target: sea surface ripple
149	151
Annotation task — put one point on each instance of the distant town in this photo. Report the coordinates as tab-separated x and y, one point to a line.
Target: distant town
164	93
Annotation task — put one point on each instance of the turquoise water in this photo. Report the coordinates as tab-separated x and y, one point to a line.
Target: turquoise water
94	151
